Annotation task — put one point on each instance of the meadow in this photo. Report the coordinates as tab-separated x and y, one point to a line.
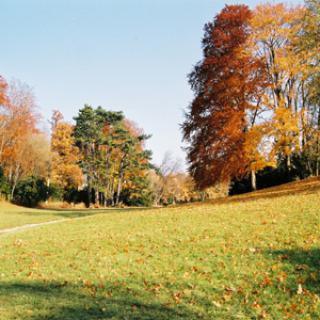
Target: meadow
255	256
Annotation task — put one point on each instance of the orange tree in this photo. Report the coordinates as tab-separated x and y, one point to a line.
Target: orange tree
226	85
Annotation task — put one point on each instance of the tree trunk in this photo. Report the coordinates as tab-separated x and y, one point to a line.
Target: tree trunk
47	193
14	184
119	188
105	203
288	163
10	173
253	180
318	149
12	191
15	178
120	177
88	191
112	192
309	168
96	196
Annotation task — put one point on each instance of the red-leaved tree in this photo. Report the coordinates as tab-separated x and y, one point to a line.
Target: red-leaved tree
226	86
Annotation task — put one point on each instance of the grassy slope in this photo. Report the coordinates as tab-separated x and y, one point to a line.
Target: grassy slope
13	216
234	260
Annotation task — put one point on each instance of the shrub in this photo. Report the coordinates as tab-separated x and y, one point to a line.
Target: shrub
4	185
56	192
30	191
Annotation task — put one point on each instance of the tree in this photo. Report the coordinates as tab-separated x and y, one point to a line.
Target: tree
274	30
3	88
308	50
133	160
65	170
19	124
160	178
88	137
256	147
226	86
179	188
113	154
169	185
4	117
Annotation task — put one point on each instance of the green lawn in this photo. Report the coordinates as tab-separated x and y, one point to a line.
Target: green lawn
15	216
256	259
12	216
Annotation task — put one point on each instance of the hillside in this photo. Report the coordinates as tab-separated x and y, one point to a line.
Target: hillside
253	256
292	188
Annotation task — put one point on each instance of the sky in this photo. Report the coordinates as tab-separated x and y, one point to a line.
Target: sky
129	55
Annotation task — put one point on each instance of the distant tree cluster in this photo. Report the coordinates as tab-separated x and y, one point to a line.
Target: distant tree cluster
170	185
99	160
105	152
256	111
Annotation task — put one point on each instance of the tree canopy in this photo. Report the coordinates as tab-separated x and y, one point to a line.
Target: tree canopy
256	101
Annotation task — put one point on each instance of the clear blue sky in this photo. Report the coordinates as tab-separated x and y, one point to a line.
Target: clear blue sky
130	55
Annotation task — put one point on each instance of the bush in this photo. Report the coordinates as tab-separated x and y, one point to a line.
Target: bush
30	191
56	192
138	194
4	185
72	195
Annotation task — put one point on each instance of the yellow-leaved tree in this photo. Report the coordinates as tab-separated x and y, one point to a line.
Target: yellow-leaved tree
275	28
285	132
65	171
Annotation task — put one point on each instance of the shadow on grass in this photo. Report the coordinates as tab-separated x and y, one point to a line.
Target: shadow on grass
303	264
57	301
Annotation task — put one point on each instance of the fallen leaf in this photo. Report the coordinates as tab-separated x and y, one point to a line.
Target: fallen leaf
216	304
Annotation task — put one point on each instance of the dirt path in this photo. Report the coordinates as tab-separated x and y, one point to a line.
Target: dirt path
30	226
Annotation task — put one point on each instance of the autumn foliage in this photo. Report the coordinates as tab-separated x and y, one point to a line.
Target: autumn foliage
65	156
256	110
101	160
252	107
24	149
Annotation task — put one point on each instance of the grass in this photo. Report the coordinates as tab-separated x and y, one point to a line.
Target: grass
14	216
251	257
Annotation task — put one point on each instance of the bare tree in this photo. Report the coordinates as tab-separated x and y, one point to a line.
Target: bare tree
160	179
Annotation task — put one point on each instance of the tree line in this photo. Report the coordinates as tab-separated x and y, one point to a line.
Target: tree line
100	159
256	110
254	120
